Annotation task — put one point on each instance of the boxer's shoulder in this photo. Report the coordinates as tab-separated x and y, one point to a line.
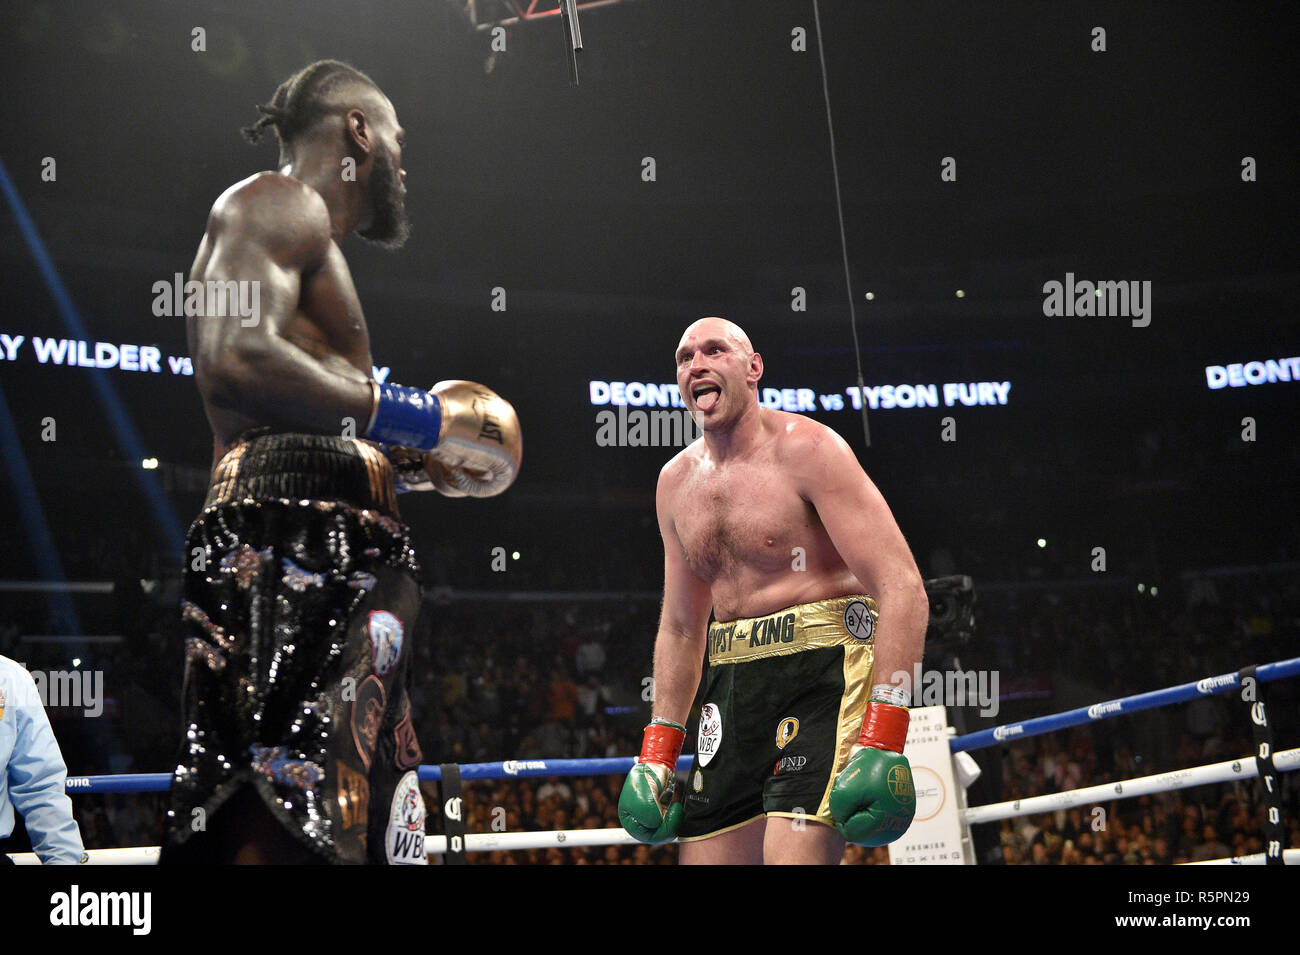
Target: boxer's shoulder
270	186
681	464
801	439
809	454
270	203
674	473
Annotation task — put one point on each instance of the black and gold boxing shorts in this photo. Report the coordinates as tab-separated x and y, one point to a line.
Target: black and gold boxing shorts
781	705
300	601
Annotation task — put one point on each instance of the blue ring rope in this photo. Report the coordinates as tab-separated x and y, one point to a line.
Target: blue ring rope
528	768
1125	704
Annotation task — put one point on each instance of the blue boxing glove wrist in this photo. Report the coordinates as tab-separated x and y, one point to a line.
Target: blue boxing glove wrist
411	417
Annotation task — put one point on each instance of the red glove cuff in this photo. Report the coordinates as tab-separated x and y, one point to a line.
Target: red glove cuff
662	744
885	727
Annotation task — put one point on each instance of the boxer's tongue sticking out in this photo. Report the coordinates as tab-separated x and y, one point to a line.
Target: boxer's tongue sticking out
707	395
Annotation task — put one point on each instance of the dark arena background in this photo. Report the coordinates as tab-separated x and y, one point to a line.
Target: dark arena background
1120	489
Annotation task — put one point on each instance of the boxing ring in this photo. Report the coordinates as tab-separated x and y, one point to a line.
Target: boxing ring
1265	759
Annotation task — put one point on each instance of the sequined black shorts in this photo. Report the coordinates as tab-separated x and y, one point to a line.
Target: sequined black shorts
301	595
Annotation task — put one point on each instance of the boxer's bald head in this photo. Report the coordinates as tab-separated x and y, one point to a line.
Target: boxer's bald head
717	372
720	327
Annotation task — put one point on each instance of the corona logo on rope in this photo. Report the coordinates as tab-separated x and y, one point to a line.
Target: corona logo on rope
1098	710
513	767
1212	684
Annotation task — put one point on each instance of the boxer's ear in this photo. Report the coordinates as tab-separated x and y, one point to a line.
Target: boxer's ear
755	368
358	131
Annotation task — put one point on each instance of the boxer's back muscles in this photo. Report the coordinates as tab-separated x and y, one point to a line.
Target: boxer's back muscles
304	364
747	528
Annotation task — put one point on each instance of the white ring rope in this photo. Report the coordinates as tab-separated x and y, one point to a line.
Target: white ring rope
1244	768
433	845
1285	761
1289	857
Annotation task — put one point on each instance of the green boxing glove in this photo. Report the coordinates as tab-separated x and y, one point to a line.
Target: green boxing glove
645	807
873	800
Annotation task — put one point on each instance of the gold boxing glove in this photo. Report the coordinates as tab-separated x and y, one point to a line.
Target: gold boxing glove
416	470
479	447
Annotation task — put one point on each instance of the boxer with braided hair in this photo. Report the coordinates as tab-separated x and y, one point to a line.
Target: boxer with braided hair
301	587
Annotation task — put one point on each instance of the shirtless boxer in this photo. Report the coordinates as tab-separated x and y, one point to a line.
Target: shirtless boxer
301	587
769	522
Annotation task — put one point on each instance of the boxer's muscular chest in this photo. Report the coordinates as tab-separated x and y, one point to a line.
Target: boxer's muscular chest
328	320
746	516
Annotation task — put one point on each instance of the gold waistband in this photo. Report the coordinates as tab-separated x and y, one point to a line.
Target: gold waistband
840	621
312	467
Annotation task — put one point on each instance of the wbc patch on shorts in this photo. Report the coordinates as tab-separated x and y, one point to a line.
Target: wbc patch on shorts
385	641
404	841
710	735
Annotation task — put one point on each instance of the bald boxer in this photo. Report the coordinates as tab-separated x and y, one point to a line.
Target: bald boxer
301	587
770	524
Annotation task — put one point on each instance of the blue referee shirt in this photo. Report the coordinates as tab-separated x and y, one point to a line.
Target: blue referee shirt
32	771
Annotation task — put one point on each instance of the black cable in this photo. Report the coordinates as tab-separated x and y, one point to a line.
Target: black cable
844	246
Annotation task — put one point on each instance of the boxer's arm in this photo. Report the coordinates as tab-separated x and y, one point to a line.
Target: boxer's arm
274	232
645	806
683	623
864	532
